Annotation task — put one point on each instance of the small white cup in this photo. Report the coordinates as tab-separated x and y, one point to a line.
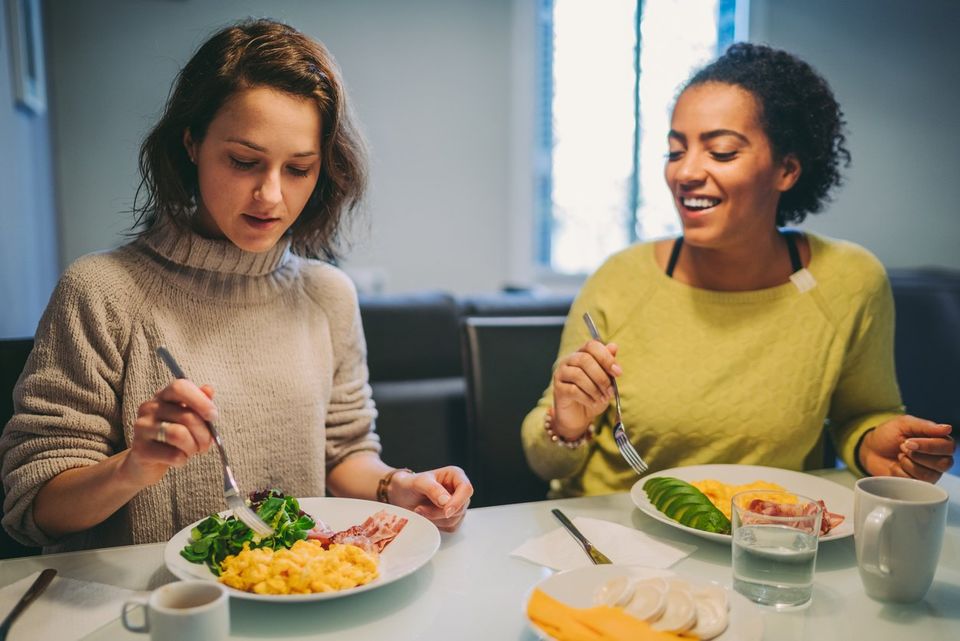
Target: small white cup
183	611
898	530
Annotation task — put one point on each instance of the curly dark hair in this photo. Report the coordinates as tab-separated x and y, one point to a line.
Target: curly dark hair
797	112
255	53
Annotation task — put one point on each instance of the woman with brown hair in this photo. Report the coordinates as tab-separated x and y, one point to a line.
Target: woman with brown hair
246	183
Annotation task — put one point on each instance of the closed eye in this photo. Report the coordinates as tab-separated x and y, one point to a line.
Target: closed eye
242	164
723	156
299	172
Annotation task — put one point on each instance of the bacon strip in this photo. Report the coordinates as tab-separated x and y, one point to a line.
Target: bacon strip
828	521
373	535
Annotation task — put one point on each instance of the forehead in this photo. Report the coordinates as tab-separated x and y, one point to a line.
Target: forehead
713	105
269	117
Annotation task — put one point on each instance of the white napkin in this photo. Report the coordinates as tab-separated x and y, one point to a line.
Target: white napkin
67	610
622	545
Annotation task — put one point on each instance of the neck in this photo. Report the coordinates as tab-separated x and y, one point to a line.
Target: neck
747	266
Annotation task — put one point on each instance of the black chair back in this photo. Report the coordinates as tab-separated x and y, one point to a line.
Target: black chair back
927	342
13	356
508	363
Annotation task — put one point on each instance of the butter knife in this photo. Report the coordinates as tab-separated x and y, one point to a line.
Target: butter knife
29	597
598	557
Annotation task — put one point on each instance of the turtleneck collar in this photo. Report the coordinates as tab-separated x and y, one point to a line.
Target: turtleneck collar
189	249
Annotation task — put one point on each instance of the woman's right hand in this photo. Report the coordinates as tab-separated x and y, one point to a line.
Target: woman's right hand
582	389
170	429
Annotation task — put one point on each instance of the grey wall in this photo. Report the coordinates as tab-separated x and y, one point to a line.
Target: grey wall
28	231
893	65
444	89
429	79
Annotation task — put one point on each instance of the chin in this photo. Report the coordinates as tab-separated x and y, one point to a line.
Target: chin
255	245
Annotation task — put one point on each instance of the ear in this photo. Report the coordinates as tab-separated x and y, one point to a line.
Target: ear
190	145
790	171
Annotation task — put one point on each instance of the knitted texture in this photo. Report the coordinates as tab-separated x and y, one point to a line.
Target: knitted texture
277	336
729	377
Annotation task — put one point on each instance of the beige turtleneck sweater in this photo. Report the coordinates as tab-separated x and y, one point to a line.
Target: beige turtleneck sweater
277	336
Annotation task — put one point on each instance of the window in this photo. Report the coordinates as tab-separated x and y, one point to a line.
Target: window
609	72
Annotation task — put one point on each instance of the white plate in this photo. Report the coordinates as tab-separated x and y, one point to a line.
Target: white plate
414	546
838	499
576	588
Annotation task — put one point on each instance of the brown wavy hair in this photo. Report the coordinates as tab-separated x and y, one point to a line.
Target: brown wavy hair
256	53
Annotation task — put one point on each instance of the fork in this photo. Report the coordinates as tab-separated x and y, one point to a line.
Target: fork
231	492
627	451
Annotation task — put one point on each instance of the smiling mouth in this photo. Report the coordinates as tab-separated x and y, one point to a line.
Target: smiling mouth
699	203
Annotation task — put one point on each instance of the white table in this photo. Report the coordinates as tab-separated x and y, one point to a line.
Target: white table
472	589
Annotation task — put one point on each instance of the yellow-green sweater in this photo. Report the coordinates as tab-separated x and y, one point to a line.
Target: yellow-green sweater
729	377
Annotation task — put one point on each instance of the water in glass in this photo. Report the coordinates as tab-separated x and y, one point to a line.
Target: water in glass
774	556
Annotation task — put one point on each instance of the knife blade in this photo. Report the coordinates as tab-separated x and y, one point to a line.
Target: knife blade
35	590
598	557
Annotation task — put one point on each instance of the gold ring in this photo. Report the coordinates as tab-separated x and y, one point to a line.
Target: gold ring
161	436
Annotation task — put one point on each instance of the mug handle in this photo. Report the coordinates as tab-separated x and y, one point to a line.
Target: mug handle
872	532
132	603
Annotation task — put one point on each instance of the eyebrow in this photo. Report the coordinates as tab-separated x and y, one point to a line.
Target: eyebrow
256	147
710	135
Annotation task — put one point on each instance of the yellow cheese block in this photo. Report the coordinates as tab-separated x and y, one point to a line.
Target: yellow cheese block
601	623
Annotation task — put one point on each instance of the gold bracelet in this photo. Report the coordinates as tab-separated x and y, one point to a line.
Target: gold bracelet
559	440
383	485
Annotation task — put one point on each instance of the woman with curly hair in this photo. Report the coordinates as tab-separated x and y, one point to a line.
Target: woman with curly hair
247	180
739	340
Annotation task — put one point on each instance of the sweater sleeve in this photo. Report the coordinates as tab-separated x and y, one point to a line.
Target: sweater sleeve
351	412
66	402
547	459
866	393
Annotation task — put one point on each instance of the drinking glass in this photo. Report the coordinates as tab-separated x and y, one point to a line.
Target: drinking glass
775	536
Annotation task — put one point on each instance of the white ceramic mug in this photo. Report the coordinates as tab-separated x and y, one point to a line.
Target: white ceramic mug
183	611
898	528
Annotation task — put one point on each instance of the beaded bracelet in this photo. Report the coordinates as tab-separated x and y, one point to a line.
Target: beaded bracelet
383	485
559	440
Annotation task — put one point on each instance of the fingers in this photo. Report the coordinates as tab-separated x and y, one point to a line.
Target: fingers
583	378
175	426
185	393
439	517
933	462
911	426
187	430
944	446
604	356
436	485
913	468
446	508
160	453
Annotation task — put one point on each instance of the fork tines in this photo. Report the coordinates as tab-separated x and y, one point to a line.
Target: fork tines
628	452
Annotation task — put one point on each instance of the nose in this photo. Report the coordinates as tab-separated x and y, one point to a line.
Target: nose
690	169
269	192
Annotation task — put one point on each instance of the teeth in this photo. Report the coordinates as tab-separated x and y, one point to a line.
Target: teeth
700	203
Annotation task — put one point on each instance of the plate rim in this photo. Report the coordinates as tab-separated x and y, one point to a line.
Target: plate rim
732	595
640	500
171	553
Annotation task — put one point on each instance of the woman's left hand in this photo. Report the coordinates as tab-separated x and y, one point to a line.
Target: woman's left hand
441	495
908	446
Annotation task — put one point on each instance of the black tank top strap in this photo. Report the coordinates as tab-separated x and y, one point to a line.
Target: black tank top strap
791	235
674	255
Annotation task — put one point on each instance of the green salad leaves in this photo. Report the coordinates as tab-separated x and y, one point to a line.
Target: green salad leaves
216	537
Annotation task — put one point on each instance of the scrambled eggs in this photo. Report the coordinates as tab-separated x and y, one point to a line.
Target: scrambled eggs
720	494
304	568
